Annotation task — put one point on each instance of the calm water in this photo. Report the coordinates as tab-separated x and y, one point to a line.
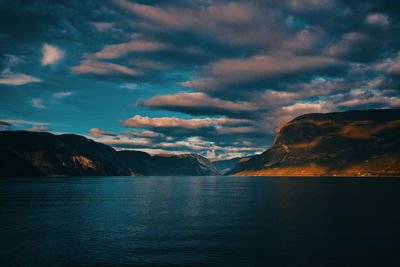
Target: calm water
200	221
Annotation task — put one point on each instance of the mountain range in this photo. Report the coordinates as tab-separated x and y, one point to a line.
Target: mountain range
351	143
24	153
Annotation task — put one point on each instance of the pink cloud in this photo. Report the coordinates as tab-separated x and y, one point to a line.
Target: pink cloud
136	142
183	18
51	55
231	71
218	19
395	69
118	50
166	122
378	19
102	68
97	133
261	65
103	26
38	129
8	78
196	100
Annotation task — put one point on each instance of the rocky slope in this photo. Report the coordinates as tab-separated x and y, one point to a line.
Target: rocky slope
352	143
43	154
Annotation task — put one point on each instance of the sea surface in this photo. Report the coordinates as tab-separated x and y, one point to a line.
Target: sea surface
200	221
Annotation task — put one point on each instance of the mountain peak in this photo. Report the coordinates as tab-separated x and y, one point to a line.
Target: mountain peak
362	143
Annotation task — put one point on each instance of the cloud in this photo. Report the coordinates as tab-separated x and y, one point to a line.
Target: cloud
125	135
395	69
199	104
146	134
17	79
366	97
127	142
51	55
170	128
97	133
236	130
11	61
179	18
103	26
5	125
62	94
37	103
102	68
185	145
306	5
166	122
228	73
39	129
19	123
130	86
118	50
304	108
262	65
377	19
228	22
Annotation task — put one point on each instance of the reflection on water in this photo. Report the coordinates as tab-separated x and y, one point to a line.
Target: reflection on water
200	221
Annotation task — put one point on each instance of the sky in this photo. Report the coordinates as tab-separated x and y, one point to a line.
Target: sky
183	76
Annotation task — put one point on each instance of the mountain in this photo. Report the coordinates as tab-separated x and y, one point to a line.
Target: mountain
43	154
28	154
166	164
351	143
228	164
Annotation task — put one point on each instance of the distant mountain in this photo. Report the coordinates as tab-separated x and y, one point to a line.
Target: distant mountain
166	164
228	164
44	154
351	143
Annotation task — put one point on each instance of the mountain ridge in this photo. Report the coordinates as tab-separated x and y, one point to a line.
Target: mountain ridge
26	153
350	143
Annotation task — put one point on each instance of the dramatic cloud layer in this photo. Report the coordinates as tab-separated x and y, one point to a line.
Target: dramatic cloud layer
211	77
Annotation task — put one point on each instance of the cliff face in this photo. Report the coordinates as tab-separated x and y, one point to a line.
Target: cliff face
352	143
187	164
43	154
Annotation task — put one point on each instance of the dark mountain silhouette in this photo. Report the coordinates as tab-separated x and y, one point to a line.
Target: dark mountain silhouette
166	164
28	154
351	143
226	165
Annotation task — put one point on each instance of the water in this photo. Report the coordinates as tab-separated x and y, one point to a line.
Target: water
200	221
